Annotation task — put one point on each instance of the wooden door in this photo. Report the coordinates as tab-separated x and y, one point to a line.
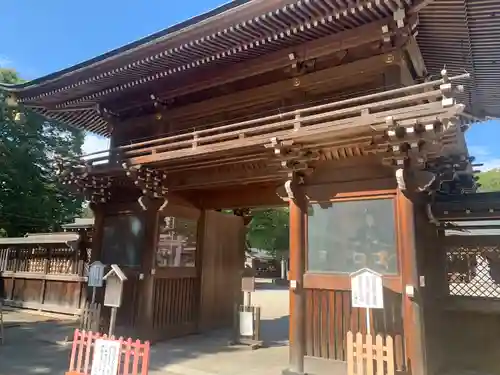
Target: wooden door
345	236
176	274
222	262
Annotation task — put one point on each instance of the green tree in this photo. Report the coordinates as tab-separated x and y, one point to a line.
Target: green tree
269	231
31	197
489	180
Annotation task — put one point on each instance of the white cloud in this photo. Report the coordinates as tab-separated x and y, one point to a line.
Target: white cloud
489	164
484	156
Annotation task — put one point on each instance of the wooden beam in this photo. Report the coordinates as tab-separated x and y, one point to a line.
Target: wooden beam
415	56
334	76
277	60
252	195
419	5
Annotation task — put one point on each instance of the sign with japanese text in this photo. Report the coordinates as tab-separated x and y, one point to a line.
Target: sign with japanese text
106	357
367	290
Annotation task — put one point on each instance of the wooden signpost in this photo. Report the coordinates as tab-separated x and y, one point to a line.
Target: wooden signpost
113	293
367	291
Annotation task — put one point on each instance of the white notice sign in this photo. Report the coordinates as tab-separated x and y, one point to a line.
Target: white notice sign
106	357
367	289
96	275
246	323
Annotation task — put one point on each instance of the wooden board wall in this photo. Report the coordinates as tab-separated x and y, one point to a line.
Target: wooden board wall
64	296
222	262
329	316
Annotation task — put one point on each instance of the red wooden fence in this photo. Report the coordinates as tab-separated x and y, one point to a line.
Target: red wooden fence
134	355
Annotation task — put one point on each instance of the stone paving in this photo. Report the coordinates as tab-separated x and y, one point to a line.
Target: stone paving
35	344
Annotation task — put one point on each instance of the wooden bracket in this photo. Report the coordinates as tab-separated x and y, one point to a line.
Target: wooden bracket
292	191
148	180
294	159
78	176
299	66
146	201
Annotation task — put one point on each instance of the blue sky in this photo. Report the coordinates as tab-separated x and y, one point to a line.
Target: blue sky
40	37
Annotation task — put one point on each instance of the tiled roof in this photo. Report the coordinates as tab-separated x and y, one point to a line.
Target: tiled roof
465	35
40	239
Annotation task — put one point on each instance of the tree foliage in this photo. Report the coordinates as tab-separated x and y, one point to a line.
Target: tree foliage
31	197
269	231
489	180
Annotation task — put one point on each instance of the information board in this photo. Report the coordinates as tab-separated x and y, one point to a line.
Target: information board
106	357
96	274
367	290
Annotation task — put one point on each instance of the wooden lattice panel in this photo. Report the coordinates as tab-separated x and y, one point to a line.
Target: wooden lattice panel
473	271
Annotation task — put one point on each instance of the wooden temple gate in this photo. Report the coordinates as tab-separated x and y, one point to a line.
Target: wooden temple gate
327	108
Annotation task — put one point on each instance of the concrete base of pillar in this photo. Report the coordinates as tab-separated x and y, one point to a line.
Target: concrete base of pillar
292	372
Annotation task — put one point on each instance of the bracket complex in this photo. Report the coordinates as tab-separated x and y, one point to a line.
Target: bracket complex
414	146
295	161
95	189
150	182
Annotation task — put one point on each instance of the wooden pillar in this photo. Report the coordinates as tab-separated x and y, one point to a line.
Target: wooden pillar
298	212
146	287
412	314
98	211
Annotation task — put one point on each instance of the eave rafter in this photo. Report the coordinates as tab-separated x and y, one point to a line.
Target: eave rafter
241	38
326	29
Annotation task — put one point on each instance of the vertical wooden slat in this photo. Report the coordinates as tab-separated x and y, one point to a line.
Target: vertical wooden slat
338	317
81	345
324	324
333	326
88	347
379	350
317	323
145	358
126	361
359	354
350	354
136	355
390	355
369	354
73	350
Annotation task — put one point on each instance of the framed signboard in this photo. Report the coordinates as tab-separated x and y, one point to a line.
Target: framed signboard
106	357
367	290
